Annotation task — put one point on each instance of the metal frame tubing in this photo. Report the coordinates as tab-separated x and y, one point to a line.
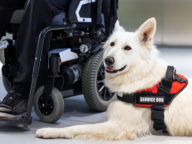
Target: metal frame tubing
36	67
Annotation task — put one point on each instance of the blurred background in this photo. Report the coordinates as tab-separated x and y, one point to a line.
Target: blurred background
174	20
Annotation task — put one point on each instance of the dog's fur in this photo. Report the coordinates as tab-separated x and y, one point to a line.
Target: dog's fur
143	70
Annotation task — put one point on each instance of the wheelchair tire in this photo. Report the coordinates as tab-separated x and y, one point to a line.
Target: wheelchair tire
90	83
6	82
55	108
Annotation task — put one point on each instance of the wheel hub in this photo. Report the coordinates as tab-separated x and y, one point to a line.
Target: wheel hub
103	91
46	109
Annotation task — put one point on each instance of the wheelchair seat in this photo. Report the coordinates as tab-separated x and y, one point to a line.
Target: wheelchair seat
82	14
17	17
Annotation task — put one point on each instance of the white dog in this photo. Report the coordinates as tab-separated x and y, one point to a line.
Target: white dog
136	56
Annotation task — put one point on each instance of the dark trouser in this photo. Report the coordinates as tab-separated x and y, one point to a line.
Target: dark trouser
38	15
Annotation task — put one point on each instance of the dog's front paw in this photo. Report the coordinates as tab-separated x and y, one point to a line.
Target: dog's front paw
48	133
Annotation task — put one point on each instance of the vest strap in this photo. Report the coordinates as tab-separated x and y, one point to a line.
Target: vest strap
129	98
157	116
157	112
156	101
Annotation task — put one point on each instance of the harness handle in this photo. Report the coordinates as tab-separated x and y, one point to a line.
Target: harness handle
166	83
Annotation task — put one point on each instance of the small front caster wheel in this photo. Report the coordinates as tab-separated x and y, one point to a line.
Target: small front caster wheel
54	109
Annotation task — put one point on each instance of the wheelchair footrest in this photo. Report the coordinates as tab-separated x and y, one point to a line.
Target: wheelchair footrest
20	120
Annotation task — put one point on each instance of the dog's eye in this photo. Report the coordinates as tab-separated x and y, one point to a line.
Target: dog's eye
112	44
127	48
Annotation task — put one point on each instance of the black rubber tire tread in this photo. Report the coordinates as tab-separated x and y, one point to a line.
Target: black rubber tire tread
58	106
6	82
89	86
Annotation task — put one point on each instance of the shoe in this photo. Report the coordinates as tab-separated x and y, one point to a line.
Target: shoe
13	106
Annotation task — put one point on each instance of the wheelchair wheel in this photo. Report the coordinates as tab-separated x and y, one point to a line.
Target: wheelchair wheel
95	92
54	109
6	82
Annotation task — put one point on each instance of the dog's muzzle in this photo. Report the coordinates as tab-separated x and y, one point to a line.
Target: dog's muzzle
109	61
115	71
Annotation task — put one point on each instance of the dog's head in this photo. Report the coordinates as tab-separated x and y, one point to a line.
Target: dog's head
127	50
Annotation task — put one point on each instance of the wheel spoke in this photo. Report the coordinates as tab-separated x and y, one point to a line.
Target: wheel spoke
100	81
101	71
101	88
105	93
109	93
102	75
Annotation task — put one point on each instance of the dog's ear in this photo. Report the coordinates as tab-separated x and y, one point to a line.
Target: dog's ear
118	27
147	31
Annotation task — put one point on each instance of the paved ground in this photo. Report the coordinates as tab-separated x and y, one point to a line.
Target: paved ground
77	112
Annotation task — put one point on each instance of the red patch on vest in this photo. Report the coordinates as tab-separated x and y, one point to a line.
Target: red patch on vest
176	87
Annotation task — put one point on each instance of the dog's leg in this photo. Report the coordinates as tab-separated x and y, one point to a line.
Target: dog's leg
102	131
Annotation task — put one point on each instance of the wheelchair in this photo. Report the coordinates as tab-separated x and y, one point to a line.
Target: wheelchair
75	59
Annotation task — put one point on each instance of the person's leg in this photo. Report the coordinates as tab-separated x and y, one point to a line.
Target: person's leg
7	7
38	15
59	4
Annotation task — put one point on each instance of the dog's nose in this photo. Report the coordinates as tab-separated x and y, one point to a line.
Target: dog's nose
109	61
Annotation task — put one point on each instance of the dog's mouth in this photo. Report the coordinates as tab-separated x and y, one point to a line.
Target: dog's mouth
111	70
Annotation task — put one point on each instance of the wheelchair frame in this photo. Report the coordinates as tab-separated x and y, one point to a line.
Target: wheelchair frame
27	119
